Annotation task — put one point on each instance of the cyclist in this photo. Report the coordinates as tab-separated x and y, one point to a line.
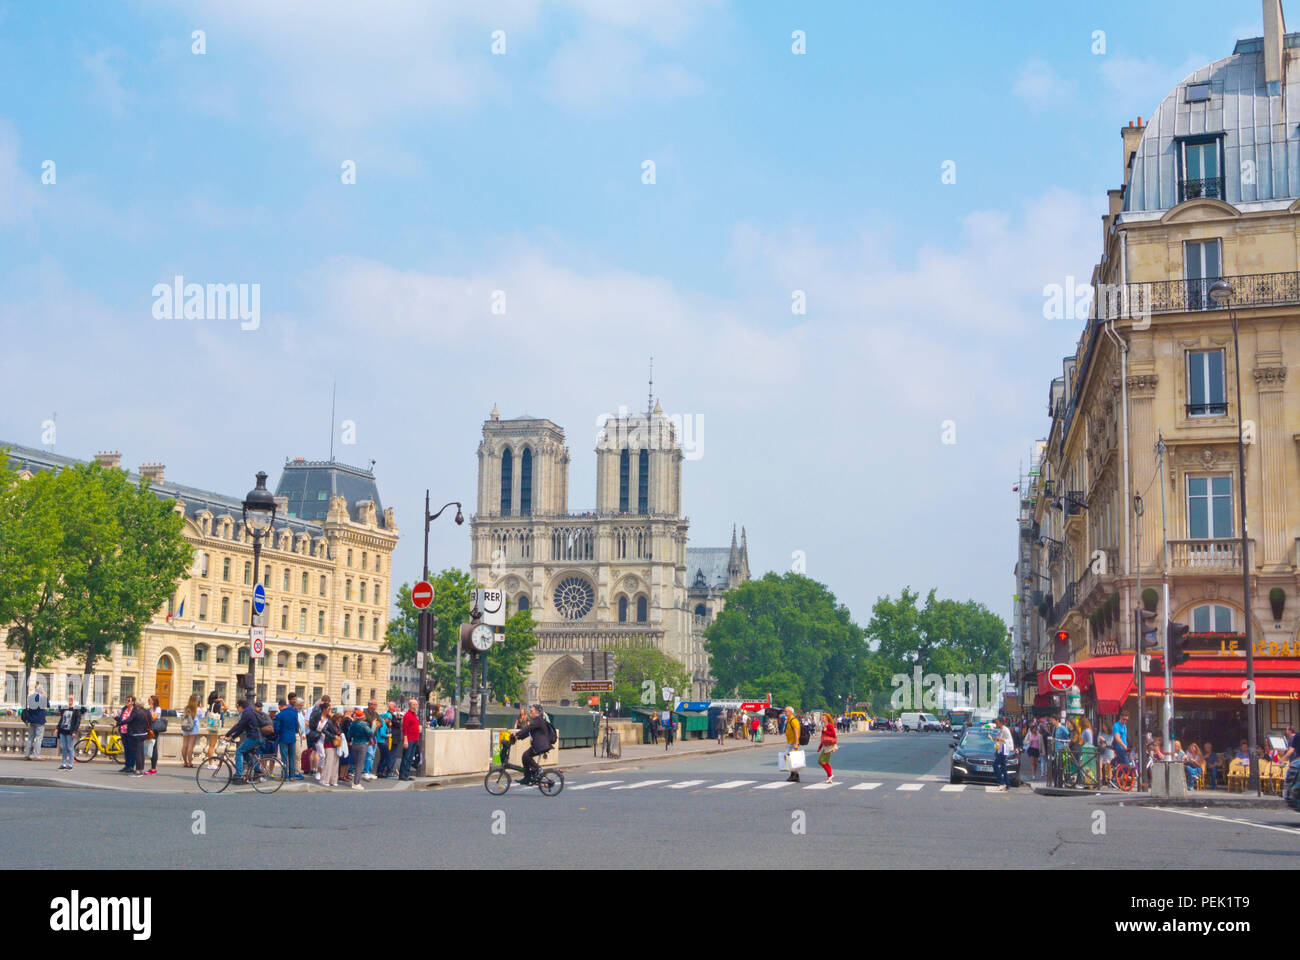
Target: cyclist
538	731
249	732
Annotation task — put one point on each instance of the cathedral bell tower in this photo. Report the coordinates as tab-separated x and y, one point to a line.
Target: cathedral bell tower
523	468
638	464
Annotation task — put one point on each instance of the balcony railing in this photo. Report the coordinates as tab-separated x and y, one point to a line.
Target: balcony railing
1206	188
1207	409
1205	556
1061	607
1181	296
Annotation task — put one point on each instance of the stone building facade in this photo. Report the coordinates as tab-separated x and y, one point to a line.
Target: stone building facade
326	568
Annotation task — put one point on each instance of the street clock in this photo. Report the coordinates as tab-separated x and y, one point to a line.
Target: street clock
481	637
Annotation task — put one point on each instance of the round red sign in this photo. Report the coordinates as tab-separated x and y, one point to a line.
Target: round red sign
422	594
1061	677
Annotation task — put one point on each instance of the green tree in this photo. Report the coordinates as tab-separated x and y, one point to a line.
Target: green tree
789	636
453	591
123	552
508	661
641	673
395	695
30	545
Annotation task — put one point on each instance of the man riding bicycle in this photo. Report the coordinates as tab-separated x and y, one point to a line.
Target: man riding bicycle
538	731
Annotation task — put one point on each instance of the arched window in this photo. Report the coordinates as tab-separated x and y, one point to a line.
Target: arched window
242	658
1212	618
643	482
507	480
282	659
522	603
319	662
526	483
622	609
640	610
300	661
623	480
701	610
223	654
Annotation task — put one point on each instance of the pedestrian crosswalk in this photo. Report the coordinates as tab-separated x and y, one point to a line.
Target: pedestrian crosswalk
899	786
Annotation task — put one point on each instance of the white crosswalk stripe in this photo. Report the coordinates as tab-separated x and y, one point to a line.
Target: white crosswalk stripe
731	784
775	785
667	784
866	786
820	786
598	783
952	788
684	784
637	786
992	789
910	786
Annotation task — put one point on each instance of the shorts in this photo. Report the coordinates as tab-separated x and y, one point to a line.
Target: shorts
1032	751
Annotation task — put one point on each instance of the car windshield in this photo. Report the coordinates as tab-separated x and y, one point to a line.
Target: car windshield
929	718
978	740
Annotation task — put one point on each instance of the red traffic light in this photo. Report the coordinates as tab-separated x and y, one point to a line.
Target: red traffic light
1062	636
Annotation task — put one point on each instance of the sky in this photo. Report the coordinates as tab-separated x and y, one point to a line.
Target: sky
831	226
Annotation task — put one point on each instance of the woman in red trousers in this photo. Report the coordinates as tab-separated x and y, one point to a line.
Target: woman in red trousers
828	745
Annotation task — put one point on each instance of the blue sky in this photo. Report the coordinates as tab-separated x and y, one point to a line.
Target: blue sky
522	172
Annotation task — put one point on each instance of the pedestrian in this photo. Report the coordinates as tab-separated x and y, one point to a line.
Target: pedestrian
155	716
328	745
212	724
1212	764
828	744
343	721
1032	741
654	728
1006	747
314	740
449	716
34	717
669	725
791	730
395	745
411	734
753	729
372	718
360	735
721	728
69	723
137	730
286	737
190	721
249	732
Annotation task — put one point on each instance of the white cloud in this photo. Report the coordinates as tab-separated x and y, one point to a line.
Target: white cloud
105	74
1038	85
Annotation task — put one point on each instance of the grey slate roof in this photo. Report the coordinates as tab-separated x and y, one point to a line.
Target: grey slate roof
1255	127
712	562
309	484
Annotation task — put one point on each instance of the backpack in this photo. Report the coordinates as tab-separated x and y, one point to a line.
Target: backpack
550	729
23	714
187	724
804	735
264	724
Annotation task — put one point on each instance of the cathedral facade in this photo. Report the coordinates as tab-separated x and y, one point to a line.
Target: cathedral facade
616	574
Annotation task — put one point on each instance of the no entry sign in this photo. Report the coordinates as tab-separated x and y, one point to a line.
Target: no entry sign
1061	677
422	594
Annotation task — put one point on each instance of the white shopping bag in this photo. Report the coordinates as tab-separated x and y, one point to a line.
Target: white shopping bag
792	760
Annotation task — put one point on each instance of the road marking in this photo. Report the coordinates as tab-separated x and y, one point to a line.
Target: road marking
774	785
684	784
731	784
952	788
637	786
820	786
598	783
988	789
865	786
910	786
932	778
1245	823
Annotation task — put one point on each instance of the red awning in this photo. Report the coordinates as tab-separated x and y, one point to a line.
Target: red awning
1043	700
1223	678
1113	689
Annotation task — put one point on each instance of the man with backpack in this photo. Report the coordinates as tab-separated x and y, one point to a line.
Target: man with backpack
34	717
249	731
286	735
541	736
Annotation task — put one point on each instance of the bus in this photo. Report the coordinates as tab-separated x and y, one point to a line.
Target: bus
959	720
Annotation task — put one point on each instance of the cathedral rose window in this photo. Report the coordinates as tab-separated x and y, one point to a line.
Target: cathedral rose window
574	598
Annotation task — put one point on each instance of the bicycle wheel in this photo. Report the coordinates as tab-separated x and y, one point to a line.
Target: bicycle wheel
551	782
497	781
115	751
215	775
1124	778
265	775
85	750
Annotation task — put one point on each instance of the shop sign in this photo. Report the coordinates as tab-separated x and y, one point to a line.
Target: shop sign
1106	648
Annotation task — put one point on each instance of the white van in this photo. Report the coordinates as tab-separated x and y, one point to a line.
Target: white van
920	721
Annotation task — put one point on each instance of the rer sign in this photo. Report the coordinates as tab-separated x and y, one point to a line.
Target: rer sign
1061	677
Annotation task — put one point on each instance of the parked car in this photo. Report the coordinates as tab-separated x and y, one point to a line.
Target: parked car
972	759
924	722
882	723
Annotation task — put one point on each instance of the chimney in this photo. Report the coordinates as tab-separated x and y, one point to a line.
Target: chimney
109	459
1132	135
1274	31
153	472
282	505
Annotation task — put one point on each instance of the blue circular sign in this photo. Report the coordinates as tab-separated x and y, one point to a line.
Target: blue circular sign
259	598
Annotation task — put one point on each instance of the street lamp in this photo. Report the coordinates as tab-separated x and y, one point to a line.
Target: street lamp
1221	293
427	623
259	514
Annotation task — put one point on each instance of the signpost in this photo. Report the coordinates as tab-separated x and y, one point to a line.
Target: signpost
257	642
491	604
422	594
591	686
1061	677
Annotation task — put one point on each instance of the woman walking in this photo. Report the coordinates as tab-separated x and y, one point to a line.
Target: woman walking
155	713
190	722
829	744
1033	748
212	724
328	744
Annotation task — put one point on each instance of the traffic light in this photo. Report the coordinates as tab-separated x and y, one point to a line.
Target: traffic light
1062	636
1178	644
1149	640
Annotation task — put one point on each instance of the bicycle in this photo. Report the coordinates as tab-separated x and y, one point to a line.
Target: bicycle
89	746
1124	777
261	771
497	780
611	744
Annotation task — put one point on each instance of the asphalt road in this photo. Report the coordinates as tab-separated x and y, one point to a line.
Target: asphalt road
892	809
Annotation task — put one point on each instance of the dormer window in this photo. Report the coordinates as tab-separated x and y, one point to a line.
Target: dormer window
1197	92
1202	168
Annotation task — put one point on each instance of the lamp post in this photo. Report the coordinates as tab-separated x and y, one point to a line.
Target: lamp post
428	621
259	515
1221	293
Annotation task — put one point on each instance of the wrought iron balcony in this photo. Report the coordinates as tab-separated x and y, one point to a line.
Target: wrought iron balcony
1207	409
1182	296
1206	188
1061	607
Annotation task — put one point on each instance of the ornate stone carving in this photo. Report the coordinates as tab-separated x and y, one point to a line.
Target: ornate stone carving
1270	376
1210	590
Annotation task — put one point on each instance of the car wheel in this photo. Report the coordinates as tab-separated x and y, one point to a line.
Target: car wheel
1015	781
953	778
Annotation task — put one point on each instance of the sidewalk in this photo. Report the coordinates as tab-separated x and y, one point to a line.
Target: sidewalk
102	774
1196	798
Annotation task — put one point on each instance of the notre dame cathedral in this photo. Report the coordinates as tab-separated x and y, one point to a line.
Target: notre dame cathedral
597	578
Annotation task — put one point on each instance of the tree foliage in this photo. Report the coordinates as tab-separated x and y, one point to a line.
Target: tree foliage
641	673
788	636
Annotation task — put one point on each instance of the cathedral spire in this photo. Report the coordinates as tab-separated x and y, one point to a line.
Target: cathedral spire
650	393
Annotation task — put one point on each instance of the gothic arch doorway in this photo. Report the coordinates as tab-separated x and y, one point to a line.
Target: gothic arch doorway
555	684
